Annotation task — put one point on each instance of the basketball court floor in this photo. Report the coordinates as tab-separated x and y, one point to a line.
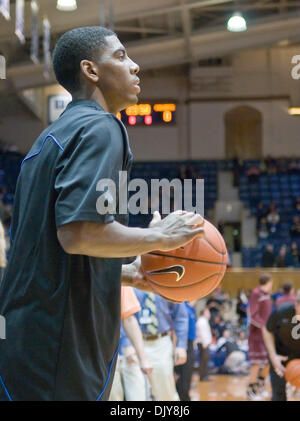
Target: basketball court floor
228	388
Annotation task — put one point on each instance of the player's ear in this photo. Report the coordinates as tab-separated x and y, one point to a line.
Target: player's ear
89	70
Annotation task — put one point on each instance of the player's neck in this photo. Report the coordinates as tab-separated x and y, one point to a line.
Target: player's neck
93	95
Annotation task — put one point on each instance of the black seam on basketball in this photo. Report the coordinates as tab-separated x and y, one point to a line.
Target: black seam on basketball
213	247
184	286
187	258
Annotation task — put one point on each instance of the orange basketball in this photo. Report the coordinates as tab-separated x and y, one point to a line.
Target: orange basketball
189	272
292	372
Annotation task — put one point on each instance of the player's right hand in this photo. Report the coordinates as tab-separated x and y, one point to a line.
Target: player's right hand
177	229
277	364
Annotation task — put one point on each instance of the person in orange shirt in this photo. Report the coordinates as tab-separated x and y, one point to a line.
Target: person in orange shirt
129	306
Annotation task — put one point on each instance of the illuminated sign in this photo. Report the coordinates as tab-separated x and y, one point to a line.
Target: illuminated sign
148	115
56	105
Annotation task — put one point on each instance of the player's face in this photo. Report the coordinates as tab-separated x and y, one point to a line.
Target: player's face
118	80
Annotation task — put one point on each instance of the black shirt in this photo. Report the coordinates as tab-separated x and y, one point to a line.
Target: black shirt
286	329
62	311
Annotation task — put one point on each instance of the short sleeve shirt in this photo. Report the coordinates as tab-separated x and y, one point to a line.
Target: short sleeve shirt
286	329
62	311
129	303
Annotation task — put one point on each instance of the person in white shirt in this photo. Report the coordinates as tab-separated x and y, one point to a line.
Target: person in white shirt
203	340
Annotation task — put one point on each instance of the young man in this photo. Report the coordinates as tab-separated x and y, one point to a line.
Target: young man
204	340
158	319
282	340
129	306
60	294
260	306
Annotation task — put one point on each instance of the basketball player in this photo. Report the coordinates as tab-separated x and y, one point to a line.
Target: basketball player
61	291
282	340
260	306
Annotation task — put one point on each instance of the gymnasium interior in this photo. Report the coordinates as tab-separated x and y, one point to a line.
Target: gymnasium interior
217	103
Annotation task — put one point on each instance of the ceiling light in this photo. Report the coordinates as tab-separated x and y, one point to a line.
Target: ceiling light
236	23
294	110
66	5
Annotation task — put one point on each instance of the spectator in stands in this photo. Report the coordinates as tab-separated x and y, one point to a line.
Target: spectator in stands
281	259
282	165
262	166
288	294
268	258
273	220
203	340
293	167
235	361
242	341
261	212
238	166
253	174
218	326
295	228
294	254
214	304
297	205
263	230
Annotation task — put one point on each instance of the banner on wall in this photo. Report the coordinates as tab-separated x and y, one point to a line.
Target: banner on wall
20	20
5	8
34	50
46	46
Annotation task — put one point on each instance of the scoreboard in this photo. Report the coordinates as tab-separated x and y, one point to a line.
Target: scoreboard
136	115
149	114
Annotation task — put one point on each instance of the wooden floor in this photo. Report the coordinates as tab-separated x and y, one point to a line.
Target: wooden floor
226	388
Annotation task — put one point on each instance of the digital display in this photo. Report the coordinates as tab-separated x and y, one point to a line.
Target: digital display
149	115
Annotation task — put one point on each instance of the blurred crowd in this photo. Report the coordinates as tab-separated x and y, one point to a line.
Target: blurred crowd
187	341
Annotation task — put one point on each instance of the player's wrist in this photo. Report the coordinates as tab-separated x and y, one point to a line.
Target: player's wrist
155	238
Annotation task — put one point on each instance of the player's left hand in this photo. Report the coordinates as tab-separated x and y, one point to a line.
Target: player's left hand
134	276
180	356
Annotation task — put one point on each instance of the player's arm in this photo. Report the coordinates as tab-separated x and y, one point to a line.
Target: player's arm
276	359
116	240
180	318
255	317
135	336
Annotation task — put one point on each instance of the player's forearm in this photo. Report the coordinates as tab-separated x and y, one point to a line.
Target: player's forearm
107	240
269	342
134	333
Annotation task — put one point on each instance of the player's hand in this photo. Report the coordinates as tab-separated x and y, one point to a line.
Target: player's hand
130	354
177	229
132	275
277	364
146	366
180	356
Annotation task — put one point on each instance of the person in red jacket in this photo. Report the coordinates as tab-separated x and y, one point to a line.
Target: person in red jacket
259	310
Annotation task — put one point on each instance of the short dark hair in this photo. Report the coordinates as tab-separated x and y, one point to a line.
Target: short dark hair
74	46
264	278
287	287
